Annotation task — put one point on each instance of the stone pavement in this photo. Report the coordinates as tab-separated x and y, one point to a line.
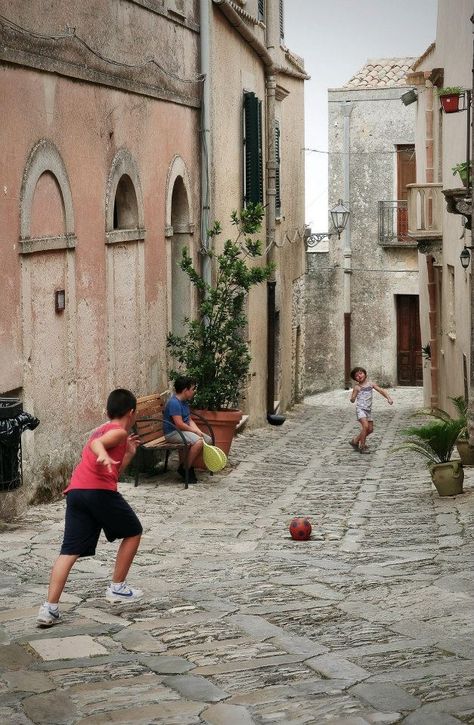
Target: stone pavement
371	621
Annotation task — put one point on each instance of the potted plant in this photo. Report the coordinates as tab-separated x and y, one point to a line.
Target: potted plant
214	350
462	170
466	452
449	98
435	441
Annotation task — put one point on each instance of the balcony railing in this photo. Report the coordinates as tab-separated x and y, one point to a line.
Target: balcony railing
425	211
393	224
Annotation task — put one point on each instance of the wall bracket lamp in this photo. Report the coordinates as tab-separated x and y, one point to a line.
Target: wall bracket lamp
465	257
339	218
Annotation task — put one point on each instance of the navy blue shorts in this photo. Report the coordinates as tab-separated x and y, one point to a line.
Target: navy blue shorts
88	511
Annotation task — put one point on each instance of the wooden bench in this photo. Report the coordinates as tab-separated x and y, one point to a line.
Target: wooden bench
149	427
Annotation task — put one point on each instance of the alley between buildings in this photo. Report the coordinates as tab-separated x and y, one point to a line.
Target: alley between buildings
371	621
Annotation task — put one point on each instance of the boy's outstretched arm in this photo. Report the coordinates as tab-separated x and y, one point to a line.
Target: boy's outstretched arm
109	440
384	393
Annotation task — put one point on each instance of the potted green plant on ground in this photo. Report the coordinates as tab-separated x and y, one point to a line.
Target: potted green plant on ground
449	98
462	170
214	350
466	452
435	441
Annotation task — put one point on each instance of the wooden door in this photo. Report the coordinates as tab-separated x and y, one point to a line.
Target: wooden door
409	360
406	174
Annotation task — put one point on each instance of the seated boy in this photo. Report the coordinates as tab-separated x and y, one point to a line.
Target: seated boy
177	416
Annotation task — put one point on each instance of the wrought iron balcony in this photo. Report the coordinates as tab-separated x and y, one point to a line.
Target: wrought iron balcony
393	224
425	211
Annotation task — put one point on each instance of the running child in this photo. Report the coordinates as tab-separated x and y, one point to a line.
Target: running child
361	395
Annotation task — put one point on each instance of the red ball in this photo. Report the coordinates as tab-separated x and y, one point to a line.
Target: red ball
300	528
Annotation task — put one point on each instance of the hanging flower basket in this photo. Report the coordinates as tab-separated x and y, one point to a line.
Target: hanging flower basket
449	98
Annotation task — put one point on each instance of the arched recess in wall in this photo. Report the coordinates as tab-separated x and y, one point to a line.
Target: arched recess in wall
179	233
47	250
125	264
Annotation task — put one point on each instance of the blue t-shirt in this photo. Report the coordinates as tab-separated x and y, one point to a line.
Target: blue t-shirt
174	406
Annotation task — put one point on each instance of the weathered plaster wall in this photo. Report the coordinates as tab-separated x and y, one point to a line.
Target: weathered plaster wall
378	123
113	330
237	68
452	54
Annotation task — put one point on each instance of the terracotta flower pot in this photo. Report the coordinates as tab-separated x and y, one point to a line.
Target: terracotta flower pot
450	103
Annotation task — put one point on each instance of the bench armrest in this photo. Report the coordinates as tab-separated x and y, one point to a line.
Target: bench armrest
206	424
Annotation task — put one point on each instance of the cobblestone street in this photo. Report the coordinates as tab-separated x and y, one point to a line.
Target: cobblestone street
371	621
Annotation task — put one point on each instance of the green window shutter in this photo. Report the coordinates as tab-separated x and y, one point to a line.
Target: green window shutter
277	170
253	151
282	24
261	10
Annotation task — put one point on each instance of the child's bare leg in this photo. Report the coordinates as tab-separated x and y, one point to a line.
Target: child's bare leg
125	555
356	440
364	431
370	428
59	575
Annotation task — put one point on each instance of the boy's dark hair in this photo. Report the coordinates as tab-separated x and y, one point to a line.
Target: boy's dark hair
120	402
183	382
358	370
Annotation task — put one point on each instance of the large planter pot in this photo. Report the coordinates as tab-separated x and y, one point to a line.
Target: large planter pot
466	452
448	477
224	423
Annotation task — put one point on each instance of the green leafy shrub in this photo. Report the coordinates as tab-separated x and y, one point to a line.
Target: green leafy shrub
213	349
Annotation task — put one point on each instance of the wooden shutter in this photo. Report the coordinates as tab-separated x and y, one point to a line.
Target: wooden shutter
253	153
277	170
282	24
261	10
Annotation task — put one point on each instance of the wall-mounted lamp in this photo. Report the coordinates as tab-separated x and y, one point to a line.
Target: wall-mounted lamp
339	217
59	300
409	97
465	257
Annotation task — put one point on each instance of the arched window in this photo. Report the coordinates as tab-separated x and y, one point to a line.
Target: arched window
125	205
124	216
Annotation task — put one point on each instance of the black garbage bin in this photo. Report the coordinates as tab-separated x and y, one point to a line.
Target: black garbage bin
13	421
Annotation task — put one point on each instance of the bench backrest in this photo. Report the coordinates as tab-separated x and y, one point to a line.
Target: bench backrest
150	406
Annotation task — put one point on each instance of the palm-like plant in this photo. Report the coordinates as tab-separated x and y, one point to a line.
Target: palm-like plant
434	441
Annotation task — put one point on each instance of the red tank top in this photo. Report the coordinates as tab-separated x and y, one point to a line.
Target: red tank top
90	474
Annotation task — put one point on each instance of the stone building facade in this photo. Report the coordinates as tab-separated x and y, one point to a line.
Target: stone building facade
101	188
250	64
362	289
435	206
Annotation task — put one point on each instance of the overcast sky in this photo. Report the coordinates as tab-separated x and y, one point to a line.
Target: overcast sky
335	38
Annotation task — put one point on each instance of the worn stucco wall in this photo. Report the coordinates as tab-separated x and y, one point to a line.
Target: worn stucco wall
453	54
378	123
237	68
113	329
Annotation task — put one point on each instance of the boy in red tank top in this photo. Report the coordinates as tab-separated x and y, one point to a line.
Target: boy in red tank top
93	503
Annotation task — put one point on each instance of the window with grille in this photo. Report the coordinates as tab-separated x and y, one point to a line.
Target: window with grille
253	150
277	170
261	10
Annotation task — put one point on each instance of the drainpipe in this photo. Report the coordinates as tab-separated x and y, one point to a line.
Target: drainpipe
205	135
272	41
471	372
432	289
347	244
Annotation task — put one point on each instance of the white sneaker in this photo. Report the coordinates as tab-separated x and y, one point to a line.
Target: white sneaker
47	617
122	593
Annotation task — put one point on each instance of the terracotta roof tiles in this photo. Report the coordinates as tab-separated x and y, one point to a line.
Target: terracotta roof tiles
382	73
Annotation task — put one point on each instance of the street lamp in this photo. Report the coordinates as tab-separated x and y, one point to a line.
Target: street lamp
339	216
465	257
